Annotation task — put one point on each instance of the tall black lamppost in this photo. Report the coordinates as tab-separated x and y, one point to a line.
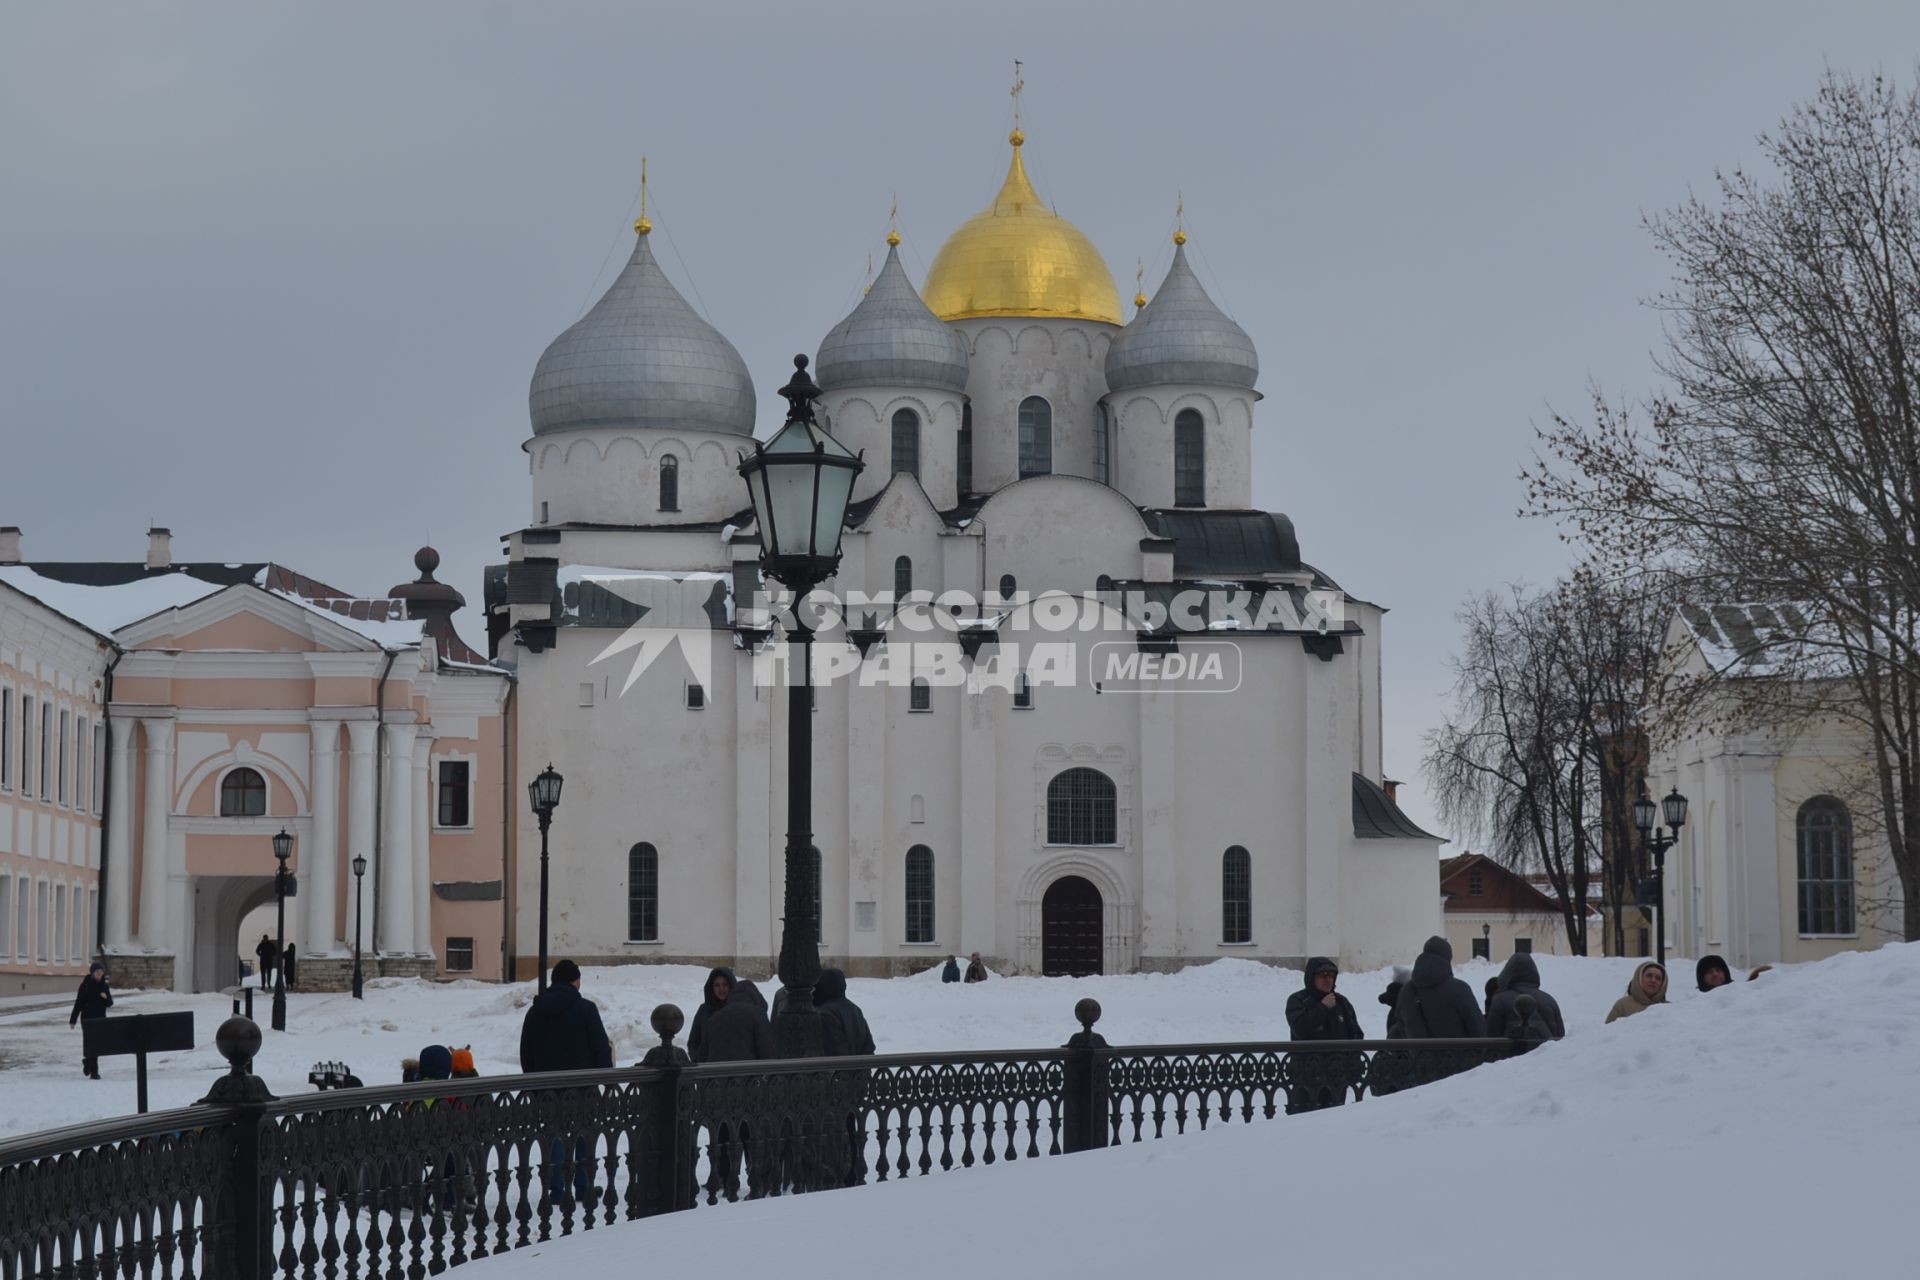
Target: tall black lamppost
544	793
1646	816
800	482
283	888
359	896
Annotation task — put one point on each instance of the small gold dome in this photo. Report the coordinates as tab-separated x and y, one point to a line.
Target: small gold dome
1019	258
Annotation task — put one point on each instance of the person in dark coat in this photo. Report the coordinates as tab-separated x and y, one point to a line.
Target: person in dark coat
287	963
1521	977
269	955
563	1032
1391	998
1710	972
952	972
1318	1012
738	1031
844	1033
719	987
92	1001
1435	1005
843	1028
976	969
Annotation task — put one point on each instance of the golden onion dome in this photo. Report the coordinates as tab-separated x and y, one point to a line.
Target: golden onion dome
1017	257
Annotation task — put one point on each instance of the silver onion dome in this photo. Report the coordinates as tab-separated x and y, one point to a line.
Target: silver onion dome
642	358
1181	337
892	340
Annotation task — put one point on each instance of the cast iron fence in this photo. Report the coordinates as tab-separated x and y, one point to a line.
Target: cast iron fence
404	1181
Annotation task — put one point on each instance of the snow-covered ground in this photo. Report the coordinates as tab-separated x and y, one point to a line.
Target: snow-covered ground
41	1087
1765	1130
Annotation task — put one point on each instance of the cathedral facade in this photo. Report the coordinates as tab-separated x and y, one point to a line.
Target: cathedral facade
1056	514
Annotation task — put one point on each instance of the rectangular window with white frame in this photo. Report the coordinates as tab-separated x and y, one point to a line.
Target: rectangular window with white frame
6	917
6	739
66	746
100	767
46	756
26	746
454	793
82	755
459	955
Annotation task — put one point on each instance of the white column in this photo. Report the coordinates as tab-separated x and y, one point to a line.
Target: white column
979	849
320	859
1155	818
755	929
361	740
119	886
396	845
156	930
1327	802
422	847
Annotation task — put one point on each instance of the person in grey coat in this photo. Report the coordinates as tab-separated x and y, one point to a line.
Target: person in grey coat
1521	977
1435	1005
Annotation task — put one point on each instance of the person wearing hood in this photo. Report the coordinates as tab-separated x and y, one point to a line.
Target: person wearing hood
739	1031
952	972
563	1032
1648	987
1318	1012
843	1027
1521	977
1391	998
1435	1005
719	987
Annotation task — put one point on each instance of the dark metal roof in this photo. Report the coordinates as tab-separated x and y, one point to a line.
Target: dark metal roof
1225	544
1377	817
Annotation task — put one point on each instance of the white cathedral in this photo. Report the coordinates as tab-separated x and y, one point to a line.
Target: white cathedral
1025	450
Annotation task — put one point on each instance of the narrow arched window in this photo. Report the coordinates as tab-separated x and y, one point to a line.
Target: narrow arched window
1022	693
1825	837
1103	585
1236	896
1102	446
906	442
902	577
1189	459
669	483
1082	808
963	451
920	695
1036	437
919	894
1008	586
243	794
643	893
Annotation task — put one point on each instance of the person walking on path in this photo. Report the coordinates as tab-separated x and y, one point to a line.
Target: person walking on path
287	963
1318	1012
952	972
976	969
1435	1005
1647	988
92	1001
268	954
712	997
563	1032
1521	977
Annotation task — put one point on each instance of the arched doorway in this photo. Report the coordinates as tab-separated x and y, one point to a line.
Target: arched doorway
220	904
1071	943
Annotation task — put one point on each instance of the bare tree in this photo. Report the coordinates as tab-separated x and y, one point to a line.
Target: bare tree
1783	466
1540	755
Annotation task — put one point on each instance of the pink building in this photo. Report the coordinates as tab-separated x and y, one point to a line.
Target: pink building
222	703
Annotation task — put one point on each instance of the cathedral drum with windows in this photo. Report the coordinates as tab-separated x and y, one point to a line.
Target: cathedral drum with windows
987	778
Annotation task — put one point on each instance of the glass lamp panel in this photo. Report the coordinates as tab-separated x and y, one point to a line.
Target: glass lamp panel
1644	813
789	486
836	488
1675	806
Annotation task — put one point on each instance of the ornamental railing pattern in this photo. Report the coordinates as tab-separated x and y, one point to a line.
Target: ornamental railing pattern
401	1182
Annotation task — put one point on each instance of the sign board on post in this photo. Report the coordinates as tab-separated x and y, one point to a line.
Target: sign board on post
138	1034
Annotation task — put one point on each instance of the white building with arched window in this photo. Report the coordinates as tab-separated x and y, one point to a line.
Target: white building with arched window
1779	859
1030	452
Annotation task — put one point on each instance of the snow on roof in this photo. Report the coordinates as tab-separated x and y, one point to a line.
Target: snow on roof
107	609
388	633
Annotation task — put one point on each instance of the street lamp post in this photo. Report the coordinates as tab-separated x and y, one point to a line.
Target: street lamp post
1647	816
359	896
544	793
800	482
283	886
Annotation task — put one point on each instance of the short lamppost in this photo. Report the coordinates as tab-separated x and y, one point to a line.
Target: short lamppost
544	794
283	888
359	896
800	482
1646	817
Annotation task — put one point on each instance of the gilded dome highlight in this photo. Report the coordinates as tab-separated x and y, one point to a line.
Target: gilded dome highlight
1017	257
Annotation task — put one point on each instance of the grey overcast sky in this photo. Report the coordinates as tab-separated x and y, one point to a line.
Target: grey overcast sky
277	275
